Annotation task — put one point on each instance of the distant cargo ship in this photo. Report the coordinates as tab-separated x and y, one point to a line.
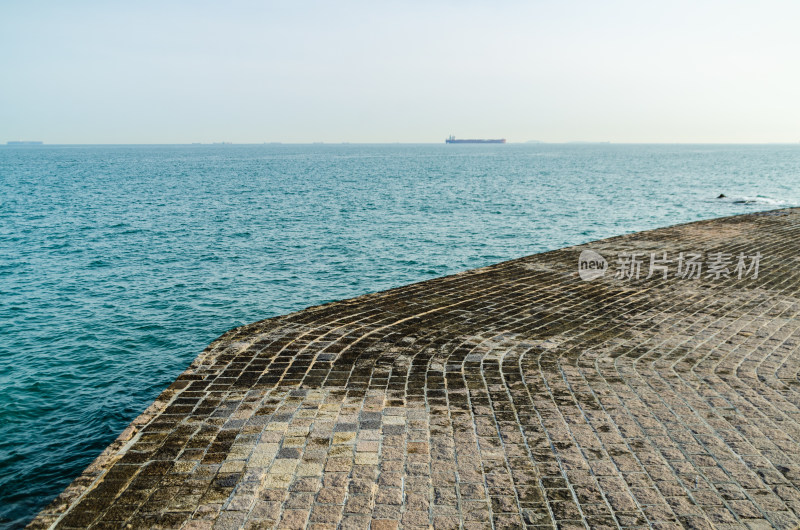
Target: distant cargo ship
23	142
452	140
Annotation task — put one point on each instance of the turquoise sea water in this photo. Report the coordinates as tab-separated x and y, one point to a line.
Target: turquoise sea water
119	264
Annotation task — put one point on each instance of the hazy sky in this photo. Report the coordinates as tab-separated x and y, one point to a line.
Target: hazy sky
179	72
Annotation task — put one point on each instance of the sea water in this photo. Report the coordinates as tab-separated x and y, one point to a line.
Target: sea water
119	264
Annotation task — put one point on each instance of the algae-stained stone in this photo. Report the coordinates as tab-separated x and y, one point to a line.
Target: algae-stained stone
516	395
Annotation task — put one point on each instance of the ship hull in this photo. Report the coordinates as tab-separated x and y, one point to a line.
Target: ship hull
454	141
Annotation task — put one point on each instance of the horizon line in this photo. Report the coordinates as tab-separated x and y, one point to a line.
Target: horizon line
39	143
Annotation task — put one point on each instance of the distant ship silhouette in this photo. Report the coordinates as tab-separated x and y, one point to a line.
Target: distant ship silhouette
452	140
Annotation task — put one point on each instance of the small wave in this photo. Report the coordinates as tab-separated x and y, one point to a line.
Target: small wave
758	199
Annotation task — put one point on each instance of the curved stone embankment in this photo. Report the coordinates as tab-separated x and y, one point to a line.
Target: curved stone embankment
511	396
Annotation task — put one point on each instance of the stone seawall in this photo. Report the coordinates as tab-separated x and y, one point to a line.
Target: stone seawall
513	396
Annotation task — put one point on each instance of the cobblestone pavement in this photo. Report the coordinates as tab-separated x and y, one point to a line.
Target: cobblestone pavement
511	396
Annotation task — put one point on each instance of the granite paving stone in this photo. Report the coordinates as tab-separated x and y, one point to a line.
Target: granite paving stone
517	395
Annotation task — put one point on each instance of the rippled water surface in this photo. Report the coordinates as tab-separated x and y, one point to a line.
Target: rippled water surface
119	264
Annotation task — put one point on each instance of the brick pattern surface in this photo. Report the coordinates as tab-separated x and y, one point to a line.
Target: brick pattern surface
513	396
